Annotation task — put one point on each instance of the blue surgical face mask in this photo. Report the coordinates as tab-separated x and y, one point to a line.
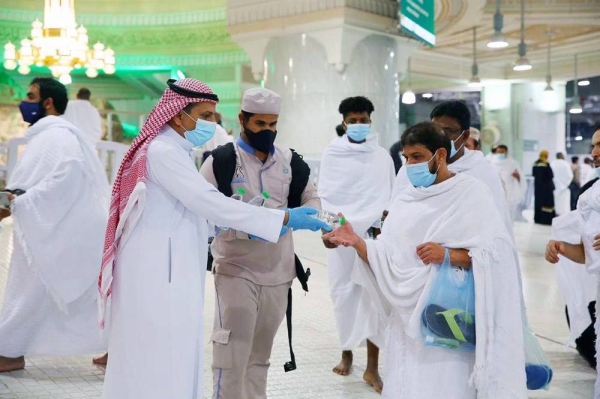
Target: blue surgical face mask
31	112
203	132
500	157
453	149
420	175
358	131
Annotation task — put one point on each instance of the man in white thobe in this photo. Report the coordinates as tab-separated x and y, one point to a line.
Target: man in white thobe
455	119
427	225
58	225
356	177
155	254
512	178
563	176
84	115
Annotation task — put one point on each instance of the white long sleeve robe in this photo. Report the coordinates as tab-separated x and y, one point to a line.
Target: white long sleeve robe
515	188
563	176
156	340
357	180
86	118
50	302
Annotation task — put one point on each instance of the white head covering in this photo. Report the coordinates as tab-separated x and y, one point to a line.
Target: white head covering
261	101
475	133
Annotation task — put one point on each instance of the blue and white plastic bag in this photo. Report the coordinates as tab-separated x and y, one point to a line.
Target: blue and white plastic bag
448	319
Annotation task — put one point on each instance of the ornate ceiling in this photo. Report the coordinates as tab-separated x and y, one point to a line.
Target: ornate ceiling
152	37
575	27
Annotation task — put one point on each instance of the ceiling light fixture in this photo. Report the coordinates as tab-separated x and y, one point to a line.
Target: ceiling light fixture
427	95
498	40
408	97
522	63
59	45
576	107
474	81
548	71
583	82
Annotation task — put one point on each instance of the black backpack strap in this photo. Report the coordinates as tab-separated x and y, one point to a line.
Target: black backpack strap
291	365
224	163
303	278
300	177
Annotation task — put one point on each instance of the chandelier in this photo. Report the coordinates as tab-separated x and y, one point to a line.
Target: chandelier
59	45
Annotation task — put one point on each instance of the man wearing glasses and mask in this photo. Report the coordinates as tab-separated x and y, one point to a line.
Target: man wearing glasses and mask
455	120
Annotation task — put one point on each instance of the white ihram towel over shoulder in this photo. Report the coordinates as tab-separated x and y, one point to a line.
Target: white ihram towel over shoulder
61	218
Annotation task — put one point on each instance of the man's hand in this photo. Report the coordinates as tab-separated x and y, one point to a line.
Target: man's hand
328	244
597	243
516	175
343	235
553	249
384	216
4	213
431	252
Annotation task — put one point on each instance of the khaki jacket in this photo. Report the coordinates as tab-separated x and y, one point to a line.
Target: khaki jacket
235	254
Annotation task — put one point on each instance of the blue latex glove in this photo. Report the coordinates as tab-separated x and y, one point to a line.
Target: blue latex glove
281	233
300	219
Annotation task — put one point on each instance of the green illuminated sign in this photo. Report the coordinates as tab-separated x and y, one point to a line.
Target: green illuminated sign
417	18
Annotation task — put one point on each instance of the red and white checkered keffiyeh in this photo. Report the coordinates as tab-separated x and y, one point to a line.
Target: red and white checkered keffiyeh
133	171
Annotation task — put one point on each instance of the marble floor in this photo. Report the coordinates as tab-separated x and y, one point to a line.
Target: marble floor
316	344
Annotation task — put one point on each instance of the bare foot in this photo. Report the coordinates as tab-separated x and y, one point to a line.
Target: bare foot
345	364
100	361
373	379
11	363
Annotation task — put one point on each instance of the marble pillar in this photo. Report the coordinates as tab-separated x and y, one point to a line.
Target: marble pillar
296	66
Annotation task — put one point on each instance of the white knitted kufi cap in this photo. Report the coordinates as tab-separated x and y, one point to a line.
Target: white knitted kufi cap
261	101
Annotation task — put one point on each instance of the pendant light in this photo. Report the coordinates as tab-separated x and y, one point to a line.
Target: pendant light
498	40
576	107
583	82
548	72
408	97
522	63
474	81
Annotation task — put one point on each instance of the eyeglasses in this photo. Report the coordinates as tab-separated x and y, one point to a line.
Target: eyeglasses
452	132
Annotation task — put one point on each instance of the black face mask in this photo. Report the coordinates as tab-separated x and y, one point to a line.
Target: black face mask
261	141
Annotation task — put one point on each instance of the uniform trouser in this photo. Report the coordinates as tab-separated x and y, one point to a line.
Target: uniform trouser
247	317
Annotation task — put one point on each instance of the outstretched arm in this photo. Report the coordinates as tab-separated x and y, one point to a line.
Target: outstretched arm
574	252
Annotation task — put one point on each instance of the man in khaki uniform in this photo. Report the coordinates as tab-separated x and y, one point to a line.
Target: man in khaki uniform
252	277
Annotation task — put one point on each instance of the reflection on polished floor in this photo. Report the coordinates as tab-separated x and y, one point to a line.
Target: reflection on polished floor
315	338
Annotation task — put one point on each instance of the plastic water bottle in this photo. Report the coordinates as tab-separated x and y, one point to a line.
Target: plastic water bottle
239	195
260	200
330	218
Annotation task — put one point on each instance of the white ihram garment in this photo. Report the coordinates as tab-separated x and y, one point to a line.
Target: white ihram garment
514	188
563	176
436	214
83	115
357	180
50	302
